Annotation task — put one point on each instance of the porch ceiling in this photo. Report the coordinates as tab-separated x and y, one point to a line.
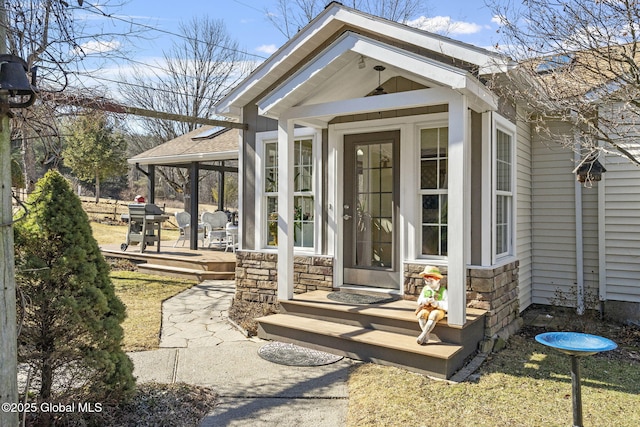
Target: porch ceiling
337	74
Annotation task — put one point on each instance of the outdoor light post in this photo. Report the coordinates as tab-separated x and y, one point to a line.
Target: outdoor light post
13	84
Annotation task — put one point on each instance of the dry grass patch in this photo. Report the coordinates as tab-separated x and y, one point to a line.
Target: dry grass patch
526	384
143	295
153	405
245	313
106	234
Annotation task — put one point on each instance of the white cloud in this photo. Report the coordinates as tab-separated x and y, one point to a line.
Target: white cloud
98	46
267	48
445	25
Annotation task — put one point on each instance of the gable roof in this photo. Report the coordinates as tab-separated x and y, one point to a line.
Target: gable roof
335	20
311	83
207	143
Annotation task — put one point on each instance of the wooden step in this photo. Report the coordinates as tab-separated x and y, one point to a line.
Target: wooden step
182	261
383	333
396	316
185	273
378	346
204	265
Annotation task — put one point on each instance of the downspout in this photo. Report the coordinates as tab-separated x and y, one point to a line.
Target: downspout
579	239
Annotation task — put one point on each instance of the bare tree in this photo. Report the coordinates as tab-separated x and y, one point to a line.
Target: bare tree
289	16
47	34
197	71
577	63
57	37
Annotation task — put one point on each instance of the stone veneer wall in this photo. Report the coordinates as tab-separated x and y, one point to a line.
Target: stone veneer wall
494	290
257	275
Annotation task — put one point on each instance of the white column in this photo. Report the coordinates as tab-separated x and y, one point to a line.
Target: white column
486	257
285	209
457	218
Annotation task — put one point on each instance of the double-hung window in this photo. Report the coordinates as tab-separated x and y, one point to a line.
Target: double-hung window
433	190
303	196
504	193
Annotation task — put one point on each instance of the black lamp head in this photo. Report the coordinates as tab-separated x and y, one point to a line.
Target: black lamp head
14	81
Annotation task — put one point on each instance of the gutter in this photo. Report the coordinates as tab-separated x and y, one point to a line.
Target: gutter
579	239
184	158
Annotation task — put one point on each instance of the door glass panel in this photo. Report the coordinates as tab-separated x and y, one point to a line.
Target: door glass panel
374	216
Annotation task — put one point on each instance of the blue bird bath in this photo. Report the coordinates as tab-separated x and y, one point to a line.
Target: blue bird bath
576	345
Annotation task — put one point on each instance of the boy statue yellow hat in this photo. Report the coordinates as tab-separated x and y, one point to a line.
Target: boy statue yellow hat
431	271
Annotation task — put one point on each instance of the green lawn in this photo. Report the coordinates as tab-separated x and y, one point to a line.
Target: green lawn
107	234
525	384
143	295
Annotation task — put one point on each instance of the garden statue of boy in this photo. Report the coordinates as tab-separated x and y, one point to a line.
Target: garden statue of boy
432	302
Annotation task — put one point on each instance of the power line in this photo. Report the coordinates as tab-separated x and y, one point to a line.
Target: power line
106	79
248	5
149	27
154	65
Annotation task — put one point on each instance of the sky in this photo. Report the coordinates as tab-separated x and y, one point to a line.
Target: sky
246	21
466	20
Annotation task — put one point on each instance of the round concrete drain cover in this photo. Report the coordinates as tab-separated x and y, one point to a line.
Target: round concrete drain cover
293	355
352	298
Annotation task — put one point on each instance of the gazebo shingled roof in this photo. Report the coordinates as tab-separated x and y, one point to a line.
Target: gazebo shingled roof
200	145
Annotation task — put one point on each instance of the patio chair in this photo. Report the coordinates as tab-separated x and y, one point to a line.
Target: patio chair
214	224
184	225
232	237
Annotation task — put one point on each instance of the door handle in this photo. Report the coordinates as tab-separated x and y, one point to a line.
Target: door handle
346	217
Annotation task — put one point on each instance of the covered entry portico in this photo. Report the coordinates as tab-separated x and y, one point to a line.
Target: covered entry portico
374	149
302	100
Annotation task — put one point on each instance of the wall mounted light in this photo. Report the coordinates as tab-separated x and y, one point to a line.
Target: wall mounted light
361	63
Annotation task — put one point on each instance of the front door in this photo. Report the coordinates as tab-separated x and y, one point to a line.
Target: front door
370	214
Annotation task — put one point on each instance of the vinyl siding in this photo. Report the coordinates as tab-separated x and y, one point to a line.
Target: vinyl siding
523	220
621	229
553	219
554	228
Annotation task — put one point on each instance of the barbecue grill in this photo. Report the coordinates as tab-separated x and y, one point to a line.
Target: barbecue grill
145	223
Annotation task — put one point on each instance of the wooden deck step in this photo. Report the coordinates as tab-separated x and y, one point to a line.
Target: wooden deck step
396	316
178	262
185	273
382	333
370	345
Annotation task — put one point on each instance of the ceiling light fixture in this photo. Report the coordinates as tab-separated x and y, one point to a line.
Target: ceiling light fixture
379	90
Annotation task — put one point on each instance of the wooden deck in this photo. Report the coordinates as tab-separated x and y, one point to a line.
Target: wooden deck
202	264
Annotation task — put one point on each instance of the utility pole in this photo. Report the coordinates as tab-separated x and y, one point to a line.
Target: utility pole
8	326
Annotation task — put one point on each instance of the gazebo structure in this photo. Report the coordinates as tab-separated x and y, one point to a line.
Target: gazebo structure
205	148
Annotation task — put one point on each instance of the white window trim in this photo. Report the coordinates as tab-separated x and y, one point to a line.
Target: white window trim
260	207
435	124
503	125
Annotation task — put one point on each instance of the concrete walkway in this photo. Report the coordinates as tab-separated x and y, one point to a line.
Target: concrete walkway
199	346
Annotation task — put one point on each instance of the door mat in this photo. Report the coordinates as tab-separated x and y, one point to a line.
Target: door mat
293	355
353	298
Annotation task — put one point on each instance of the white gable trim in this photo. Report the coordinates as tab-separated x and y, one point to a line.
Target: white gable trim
427	68
488	62
323	26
